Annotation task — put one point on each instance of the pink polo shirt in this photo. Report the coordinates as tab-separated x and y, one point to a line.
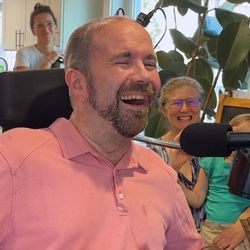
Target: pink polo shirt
57	193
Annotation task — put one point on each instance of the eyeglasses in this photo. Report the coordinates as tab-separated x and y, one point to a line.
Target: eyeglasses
49	25
190	102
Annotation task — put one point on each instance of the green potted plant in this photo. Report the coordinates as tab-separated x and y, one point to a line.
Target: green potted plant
225	46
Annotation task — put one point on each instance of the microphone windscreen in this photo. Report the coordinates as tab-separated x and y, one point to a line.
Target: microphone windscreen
206	139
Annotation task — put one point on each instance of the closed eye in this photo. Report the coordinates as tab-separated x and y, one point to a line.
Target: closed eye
193	102
123	62
150	66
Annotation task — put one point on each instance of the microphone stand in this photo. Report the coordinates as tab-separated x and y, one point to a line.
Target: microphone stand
158	142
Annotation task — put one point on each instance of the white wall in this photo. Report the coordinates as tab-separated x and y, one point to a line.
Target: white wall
77	12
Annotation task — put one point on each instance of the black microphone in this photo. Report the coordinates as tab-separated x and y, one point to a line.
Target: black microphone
212	139
144	19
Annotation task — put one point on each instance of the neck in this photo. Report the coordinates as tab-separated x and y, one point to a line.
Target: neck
104	139
44	48
170	135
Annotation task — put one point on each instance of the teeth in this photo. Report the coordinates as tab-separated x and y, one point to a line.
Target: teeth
132	97
184	118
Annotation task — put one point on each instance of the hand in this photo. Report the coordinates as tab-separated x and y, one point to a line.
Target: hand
52	57
230	237
177	157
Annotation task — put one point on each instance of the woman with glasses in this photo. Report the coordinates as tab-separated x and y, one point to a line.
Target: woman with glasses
43	54
180	104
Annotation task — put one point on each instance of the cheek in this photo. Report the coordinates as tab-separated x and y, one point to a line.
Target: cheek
169	114
196	114
156	81
106	89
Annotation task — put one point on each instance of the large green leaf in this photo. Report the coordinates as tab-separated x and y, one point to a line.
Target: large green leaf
183	4
203	70
159	4
211	46
206	87
165	75
176	56
226	17
238	1
164	59
182	11
193	5
182	43
157	125
178	68
231	78
233	44
165	3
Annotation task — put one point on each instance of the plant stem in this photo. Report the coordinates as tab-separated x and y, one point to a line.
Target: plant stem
210	94
198	41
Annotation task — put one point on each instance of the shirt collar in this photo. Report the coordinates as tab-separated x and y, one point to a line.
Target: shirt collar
74	144
71	142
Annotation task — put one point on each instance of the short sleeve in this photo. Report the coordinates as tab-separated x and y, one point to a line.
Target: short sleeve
22	58
208	164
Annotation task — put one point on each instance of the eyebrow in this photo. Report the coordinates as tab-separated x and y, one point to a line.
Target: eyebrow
127	54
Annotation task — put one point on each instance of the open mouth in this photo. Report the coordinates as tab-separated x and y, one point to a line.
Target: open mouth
184	118
135	100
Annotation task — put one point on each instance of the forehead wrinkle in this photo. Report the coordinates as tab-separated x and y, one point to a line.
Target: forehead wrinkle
128	54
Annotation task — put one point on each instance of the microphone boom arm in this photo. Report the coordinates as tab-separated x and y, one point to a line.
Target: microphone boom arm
157	142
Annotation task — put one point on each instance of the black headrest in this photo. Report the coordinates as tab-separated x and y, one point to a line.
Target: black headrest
33	98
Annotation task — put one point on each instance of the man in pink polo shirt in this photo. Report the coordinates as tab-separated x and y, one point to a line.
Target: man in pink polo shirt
82	183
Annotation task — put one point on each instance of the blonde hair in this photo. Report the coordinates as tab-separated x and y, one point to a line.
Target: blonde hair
241	122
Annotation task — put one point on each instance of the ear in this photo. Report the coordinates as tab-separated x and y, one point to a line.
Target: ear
76	83
163	111
33	32
56	28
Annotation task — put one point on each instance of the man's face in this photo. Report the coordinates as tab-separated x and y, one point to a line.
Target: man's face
124	81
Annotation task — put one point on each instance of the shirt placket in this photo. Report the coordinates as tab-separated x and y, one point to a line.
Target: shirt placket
119	194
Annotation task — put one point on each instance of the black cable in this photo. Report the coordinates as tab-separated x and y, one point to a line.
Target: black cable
165	29
144	20
117	13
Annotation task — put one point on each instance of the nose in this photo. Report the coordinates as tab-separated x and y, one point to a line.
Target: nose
184	106
144	74
46	28
141	73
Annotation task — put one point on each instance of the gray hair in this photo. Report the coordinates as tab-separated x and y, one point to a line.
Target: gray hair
175	83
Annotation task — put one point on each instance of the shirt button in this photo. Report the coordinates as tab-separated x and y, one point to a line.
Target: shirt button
121	196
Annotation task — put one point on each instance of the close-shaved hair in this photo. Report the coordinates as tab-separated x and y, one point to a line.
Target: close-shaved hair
81	43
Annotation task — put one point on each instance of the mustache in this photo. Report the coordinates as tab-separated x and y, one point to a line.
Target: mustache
145	88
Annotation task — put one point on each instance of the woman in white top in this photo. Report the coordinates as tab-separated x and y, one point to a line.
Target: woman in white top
43	54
